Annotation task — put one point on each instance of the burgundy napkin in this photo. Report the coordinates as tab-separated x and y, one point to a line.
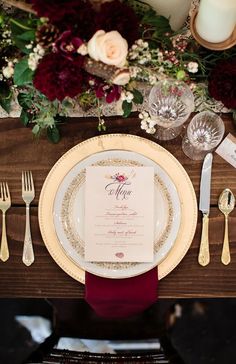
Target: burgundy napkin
117	298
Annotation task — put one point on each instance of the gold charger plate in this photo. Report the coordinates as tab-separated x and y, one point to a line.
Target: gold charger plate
132	143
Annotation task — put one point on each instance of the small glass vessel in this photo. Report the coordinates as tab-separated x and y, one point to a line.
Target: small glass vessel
204	132
170	104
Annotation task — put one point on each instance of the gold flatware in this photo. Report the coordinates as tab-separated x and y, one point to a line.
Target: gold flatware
28	196
226	204
204	207
5	203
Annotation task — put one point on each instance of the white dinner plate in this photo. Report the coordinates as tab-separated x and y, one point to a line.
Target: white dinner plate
69	205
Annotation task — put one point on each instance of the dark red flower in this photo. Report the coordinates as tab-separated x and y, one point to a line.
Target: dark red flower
110	92
67	44
222	82
68	14
118	16
121	178
58	77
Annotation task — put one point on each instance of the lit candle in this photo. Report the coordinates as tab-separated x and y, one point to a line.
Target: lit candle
216	19
176	10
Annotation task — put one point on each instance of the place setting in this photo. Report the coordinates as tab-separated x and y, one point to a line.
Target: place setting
118	211
94	231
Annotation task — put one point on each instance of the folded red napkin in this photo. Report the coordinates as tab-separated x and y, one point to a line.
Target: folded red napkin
117	298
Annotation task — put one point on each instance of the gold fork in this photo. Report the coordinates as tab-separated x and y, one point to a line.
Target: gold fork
5	203
28	196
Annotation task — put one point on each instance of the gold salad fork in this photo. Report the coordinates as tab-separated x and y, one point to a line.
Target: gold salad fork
28	196
5	203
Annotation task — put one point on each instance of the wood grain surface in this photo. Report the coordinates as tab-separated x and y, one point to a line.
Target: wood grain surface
20	151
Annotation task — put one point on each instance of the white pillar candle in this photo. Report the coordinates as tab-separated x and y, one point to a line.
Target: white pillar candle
216	19
176	10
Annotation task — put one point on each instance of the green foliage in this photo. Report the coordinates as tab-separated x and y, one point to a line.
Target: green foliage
5	96
23	75
53	134
87	100
25	117
138	97
158	21
25	100
43	114
159	29
28	36
126	107
23	32
1	20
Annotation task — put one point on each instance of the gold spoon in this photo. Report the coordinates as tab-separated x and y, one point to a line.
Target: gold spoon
226	204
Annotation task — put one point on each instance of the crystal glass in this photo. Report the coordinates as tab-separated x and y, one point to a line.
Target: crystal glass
204	133
170	104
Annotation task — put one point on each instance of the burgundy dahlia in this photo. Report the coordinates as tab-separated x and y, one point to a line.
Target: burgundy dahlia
222	82
118	16
57	77
68	14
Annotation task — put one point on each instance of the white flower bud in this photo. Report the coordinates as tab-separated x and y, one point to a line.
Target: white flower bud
192	67
150	130
8	71
152	123
83	49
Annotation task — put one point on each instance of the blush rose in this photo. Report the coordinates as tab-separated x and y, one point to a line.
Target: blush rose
110	48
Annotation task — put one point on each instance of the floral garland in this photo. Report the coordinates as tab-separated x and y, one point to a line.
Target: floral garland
56	54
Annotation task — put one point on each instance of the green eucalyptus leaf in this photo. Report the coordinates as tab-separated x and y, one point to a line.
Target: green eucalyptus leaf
160	24
23	74
36	129
21	26
158	21
24	100
138	97
5	96
5	104
126	107
24	116
21	34
1	20
28	36
53	134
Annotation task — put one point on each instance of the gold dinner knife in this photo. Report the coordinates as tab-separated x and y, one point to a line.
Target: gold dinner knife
204	207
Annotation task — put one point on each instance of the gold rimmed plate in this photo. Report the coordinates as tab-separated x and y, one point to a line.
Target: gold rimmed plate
122	142
68	212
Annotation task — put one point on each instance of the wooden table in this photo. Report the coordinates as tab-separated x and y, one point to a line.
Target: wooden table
19	151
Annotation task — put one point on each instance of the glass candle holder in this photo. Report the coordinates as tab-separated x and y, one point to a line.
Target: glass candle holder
170	105
204	132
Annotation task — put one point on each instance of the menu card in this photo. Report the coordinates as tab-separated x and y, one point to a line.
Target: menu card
119	214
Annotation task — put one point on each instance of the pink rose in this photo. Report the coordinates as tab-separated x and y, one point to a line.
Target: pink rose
110	48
